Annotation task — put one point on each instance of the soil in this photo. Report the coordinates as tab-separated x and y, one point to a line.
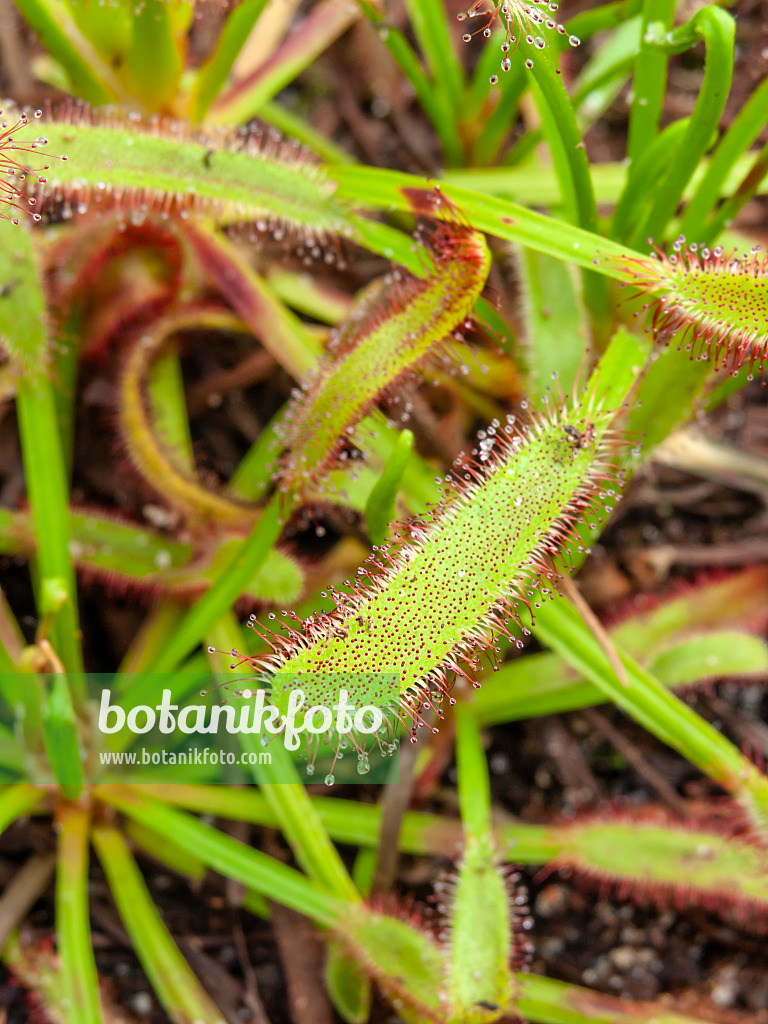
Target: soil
542	769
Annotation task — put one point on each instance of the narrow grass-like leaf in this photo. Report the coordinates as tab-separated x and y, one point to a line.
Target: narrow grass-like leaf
431	30
155	56
649	80
434	102
321	27
176	985
60	735
645	172
556	339
90	76
73	931
746	127
213	74
380	507
226	855
23	329
495	130
179	859
716	27
18	800
575	179
656	709
605	74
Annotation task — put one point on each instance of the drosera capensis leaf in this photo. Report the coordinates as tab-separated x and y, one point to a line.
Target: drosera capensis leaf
108	159
155	462
14	168
129	558
717	303
646	852
547	1001
522	22
272	185
461	574
682	862
395	325
482	897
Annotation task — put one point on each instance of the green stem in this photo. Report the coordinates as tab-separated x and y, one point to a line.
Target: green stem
642	179
154	58
746	190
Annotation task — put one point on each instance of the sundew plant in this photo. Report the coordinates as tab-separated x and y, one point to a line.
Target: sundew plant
328	356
